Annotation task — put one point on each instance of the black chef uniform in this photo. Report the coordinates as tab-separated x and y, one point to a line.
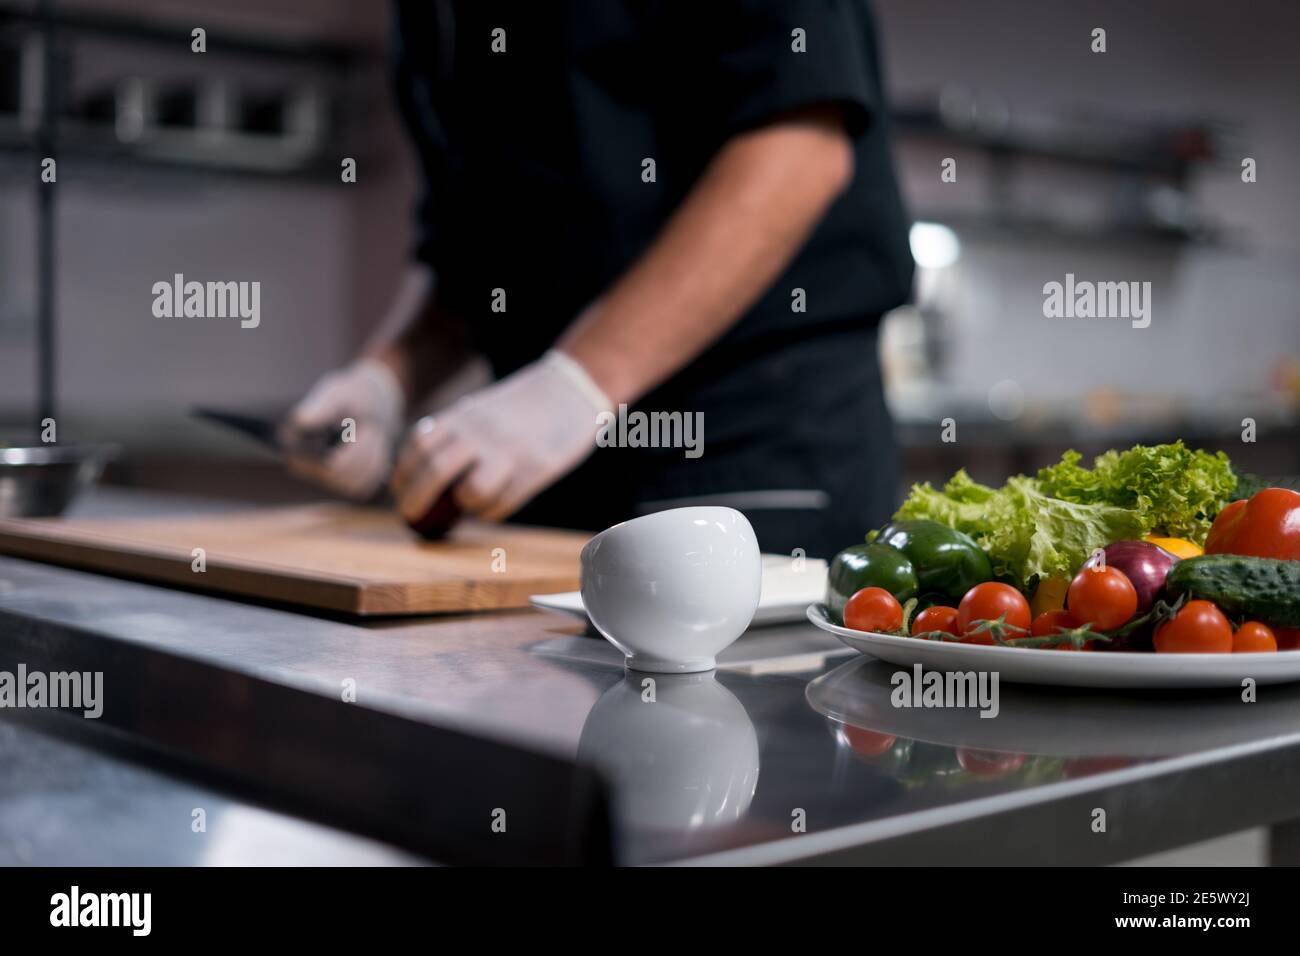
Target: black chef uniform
533	122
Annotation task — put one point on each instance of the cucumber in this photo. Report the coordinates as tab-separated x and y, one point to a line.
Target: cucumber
1267	589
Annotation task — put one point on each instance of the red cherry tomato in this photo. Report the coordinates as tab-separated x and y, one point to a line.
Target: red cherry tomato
867	743
1050	622
1053	622
988	763
1253	636
988	602
1199	628
937	618
1103	597
873	609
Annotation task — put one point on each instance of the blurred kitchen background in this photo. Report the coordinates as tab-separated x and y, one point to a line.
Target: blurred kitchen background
1122	166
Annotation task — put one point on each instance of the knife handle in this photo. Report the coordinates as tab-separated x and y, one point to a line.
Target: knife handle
314	443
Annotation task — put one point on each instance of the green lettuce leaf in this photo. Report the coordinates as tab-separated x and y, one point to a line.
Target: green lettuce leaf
1027	533
1036	535
963	504
1175	490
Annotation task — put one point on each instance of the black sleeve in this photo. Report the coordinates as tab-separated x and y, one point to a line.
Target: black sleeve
416	43
748	70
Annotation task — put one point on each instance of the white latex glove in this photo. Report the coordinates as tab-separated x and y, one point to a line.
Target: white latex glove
367	392
503	444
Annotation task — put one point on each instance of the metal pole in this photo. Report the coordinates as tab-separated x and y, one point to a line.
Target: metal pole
46	147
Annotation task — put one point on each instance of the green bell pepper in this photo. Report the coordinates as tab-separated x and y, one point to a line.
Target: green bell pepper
866	566
947	562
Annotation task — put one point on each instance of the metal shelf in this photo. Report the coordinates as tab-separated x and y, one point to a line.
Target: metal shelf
1142	159
1159	149
225	147
203	151
222	39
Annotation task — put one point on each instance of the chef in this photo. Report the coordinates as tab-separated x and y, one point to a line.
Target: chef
638	206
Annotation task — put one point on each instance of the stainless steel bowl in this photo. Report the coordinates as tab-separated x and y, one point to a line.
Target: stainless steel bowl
39	481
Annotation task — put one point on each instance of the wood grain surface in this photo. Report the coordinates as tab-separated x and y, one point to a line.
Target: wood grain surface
334	557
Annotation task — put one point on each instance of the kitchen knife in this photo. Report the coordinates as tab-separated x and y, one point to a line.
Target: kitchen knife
266	432
435	523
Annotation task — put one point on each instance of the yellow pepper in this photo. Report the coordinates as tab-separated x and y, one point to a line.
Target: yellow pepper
1178	547
1049	596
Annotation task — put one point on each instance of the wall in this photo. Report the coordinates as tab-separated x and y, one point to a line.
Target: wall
325	252
1223	314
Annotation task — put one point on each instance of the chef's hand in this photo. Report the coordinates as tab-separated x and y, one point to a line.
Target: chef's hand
367	392
503	444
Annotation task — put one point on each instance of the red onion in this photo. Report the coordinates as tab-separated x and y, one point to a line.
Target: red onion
1143	563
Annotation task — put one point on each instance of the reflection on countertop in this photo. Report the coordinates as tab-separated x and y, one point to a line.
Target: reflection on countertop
679	749
1041	734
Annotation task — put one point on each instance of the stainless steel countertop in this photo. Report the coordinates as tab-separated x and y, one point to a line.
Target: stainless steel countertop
64	804
719	767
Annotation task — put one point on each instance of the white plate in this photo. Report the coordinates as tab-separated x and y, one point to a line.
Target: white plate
786	592
776	612
1027	665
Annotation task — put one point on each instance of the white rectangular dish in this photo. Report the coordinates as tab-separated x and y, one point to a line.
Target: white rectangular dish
789	586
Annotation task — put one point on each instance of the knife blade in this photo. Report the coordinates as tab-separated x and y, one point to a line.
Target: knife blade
265	430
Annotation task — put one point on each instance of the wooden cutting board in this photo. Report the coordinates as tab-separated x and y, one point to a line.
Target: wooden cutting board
328	556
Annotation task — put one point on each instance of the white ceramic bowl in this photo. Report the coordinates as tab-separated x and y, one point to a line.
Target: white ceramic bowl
672	589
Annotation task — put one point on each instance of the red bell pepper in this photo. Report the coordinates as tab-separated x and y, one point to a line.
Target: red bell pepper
1264	526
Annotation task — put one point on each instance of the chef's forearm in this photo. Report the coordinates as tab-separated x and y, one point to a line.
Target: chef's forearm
418	340
733	236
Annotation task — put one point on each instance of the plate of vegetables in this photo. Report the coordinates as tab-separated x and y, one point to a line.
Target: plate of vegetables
1158	567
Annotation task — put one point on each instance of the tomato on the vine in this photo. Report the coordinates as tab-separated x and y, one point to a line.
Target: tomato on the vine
1102	596
1050	623
989	602
1199	628
873	609
936	618
1252	637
